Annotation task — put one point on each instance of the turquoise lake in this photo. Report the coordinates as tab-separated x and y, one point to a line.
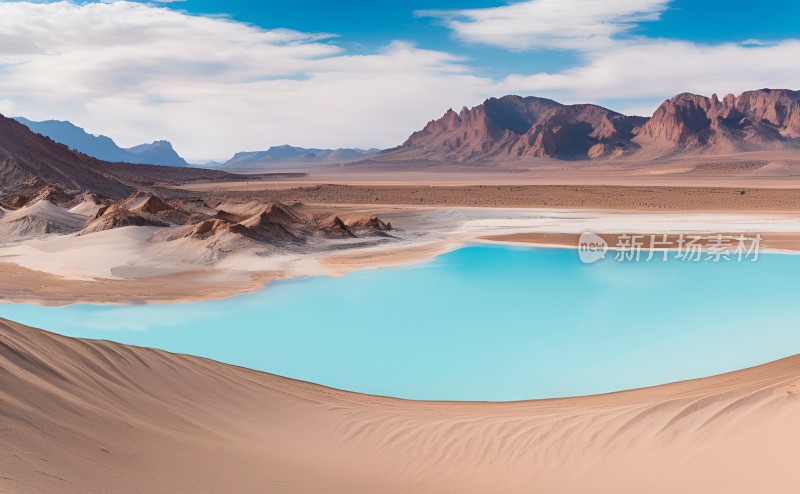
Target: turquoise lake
480	323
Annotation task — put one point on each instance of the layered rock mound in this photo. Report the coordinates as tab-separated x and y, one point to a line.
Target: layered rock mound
112	218
273	222
138	209
277	223
367	223
334	226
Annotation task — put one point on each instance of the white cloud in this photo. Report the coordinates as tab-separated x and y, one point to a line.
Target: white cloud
662	68
6	106
615	65
562	24
215	86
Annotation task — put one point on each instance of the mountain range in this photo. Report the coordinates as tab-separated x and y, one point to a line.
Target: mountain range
517	128
102	147
279	155
30	162
33	167
510	128
162	153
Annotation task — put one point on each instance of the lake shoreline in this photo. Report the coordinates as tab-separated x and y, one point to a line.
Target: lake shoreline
421	234
533	293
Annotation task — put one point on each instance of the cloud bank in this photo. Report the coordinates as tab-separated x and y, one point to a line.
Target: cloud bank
215	86
212	85
560	24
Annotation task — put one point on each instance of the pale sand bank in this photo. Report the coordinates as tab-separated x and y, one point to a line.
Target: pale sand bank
82	416
23	285
770	241
126	266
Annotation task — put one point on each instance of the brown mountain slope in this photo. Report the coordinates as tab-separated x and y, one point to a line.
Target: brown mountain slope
29	162
779	108
484	131
755	120
578	132
515	128
85	416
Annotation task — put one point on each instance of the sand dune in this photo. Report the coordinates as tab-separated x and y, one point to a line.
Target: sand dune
38	219
92	416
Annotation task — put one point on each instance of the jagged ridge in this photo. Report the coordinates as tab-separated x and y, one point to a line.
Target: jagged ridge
513	128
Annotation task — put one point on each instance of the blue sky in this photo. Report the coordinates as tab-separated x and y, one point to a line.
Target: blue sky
374	23
714	21
216	77
368	25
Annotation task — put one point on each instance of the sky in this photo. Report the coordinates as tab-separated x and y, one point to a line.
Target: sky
216	77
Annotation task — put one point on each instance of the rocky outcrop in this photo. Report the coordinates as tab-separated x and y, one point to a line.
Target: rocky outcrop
755	120
367	223
514	128
274	222
18	201
118	218
145	202
486	130
779	108
53	194
209	228
138	209
578	132
334	226
229	217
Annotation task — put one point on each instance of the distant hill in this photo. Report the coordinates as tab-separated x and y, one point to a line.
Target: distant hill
294	155
157	153
33	167
102	147
517	128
